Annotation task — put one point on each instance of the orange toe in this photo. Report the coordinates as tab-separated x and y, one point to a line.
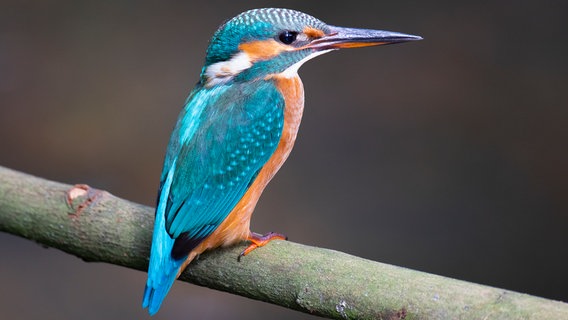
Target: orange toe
258	240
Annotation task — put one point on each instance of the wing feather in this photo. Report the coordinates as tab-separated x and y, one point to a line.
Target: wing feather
222	156
222	139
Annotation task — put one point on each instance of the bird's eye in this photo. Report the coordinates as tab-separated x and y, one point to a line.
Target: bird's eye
287	37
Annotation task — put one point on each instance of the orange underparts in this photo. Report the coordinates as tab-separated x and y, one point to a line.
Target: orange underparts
258	240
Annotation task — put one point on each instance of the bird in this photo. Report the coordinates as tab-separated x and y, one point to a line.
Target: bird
235	131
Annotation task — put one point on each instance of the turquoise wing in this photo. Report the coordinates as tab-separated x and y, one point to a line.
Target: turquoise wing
220	149
222	139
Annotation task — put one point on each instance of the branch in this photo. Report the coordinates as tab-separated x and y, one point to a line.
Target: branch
97	226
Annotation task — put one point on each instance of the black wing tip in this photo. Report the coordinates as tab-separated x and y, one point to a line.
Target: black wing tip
183	246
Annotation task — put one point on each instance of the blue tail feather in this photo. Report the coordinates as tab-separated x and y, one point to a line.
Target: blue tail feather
163	269
162	274
155	295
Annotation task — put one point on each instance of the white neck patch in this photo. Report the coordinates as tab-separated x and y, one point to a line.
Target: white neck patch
224	71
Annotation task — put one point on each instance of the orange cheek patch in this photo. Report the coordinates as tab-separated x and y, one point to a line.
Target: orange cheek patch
313	32
263	50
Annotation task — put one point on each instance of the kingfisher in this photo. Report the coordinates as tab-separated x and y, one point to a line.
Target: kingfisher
235	131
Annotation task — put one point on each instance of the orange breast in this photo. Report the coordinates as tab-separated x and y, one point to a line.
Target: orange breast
236	226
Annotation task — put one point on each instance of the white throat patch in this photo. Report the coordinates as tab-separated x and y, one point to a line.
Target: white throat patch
292	70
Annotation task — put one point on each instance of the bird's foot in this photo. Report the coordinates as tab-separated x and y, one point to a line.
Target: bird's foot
259	240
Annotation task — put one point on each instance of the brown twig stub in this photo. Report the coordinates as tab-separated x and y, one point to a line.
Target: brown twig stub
81	196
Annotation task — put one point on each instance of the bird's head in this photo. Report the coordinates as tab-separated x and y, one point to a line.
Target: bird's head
260	43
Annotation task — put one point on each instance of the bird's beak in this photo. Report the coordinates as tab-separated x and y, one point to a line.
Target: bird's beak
339	37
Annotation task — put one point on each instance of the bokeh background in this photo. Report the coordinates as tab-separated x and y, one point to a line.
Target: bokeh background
448	155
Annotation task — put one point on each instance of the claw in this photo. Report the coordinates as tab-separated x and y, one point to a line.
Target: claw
258	240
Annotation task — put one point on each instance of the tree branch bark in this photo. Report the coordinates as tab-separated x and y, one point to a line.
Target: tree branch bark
97	226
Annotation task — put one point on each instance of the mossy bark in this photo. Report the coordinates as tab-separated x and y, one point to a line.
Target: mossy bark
96	226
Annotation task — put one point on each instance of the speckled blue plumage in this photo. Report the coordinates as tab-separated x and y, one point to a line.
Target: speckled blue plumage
223	137
237	129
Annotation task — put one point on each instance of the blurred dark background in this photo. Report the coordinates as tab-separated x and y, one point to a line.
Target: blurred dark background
447	155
